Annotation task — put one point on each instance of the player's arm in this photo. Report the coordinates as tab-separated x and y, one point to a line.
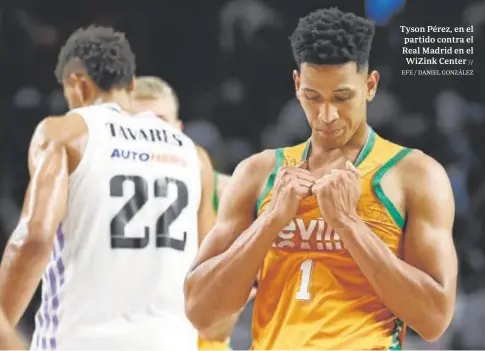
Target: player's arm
220	281
206	220
28	250
223	181
9	339
421	288
206	214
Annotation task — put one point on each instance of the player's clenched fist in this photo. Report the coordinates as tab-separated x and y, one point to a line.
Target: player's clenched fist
337	193
291	185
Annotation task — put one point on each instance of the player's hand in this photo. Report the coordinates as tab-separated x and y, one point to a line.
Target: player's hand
291	185
337	193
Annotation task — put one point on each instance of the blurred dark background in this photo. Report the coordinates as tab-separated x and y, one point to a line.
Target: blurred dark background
230	63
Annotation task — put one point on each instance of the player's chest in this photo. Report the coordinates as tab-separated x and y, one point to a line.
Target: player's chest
308	231
308	234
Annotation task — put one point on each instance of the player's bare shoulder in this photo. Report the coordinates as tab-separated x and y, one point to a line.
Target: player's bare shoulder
69	132
263	162
61	129
419	172
426	187
247	183
256	169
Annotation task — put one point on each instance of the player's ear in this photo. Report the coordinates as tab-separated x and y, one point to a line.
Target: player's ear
78	86
296	79
131	86
88	89
372	82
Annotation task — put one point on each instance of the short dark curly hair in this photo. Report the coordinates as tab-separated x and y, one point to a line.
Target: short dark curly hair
330	36
104	53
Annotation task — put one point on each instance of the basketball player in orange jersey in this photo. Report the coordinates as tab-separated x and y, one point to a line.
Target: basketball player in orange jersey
154	94
353	233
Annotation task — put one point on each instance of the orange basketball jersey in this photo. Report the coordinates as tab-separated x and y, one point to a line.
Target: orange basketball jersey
205	345
311	294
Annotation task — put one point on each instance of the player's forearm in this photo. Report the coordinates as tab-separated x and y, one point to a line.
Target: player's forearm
411	294
9	339
220	286
222	330
20	273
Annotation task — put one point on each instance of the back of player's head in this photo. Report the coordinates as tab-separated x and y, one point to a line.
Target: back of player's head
151	88
103	53
332	37
156	95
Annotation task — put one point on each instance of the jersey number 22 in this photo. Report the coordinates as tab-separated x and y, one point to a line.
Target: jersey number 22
140	197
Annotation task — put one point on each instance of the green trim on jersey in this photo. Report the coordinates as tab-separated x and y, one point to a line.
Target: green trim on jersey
368	146
396	342
364	152
376	185
215	197
279	153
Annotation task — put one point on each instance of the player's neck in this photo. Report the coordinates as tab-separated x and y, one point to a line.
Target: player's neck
119	97
349	150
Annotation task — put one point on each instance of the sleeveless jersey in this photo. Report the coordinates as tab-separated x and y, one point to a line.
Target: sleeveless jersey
311	294
115	276
210	345
203	343
215	197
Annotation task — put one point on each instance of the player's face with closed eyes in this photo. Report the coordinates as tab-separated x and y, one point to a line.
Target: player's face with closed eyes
334	98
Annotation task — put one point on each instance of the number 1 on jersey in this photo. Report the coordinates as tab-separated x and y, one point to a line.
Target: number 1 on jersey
306	274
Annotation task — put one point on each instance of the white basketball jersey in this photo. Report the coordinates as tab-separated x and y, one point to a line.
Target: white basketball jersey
115	276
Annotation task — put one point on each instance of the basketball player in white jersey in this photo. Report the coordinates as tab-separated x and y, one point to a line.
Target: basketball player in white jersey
111	216
154	94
